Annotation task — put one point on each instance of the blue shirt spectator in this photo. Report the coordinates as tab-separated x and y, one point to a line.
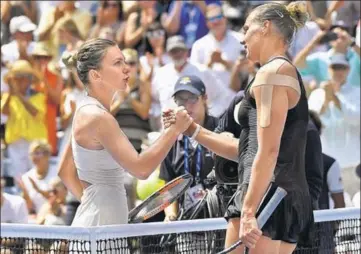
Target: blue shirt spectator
192	21
318	63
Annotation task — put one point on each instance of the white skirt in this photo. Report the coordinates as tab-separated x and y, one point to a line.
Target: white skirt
102	205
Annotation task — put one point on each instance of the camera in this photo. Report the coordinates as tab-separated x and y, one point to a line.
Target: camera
226	171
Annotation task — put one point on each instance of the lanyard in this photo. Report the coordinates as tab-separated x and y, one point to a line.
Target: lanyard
198	161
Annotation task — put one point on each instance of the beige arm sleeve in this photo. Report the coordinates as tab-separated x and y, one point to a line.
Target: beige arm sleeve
266	80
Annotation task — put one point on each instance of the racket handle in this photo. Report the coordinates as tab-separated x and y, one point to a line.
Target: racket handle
246	250
263	216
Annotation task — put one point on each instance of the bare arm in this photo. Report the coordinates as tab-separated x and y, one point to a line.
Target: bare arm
5	11
68	174
5	104
171	22
269	139
28	106
55	93
132	34
338	200
142	106
224	146
111	137
300	59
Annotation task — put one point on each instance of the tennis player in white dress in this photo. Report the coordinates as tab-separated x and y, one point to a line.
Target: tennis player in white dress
93	166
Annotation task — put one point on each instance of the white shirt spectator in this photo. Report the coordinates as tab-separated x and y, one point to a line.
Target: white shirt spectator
334	179
303	37
10	51
230	47
340	136
166	77
43	184
14	209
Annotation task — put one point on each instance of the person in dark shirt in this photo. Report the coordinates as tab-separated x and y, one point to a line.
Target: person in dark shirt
186	156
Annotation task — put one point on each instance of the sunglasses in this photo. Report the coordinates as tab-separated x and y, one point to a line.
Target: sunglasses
339	67
215	18
180	101
155	34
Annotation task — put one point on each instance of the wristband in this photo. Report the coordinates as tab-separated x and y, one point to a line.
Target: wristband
195	133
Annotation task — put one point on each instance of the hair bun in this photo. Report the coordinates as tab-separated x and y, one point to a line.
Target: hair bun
298	13
69	59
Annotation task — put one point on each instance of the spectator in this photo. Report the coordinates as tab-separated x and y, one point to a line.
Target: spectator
316	64
35	183
332	180
218	49
110	14
53	211
347	14
338	104
13	207
21	29
11	9
186	18
243	71
155	57
69	36
47	30
138	23
131	109
187	156
51	86
26	111
166	77
70	96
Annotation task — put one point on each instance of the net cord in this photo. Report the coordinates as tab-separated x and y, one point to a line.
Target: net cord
156	228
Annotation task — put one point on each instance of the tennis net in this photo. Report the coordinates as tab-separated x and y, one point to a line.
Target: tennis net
335	231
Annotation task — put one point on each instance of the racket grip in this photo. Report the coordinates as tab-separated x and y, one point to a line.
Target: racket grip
246	250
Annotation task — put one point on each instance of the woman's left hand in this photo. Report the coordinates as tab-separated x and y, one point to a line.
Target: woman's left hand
249	232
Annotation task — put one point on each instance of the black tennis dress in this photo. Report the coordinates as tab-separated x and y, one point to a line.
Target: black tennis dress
294	214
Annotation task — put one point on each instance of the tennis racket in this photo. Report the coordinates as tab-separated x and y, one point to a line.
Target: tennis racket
263	216
160	199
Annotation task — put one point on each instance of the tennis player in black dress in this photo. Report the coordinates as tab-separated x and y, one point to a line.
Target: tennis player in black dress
271	147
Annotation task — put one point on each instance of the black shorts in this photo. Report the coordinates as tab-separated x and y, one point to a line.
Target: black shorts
293	215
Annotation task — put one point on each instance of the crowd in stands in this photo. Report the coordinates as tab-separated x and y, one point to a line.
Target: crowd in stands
161	42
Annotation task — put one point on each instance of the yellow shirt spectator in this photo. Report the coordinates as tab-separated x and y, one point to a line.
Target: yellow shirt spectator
21	124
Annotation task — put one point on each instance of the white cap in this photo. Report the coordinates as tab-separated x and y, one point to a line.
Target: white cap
339	59
21	24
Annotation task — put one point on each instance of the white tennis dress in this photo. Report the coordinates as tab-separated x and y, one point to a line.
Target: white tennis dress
104	202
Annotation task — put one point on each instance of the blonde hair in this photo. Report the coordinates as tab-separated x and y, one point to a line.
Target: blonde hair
40	144
288	19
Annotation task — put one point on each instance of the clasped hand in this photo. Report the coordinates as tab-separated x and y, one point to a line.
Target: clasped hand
177	118
249	232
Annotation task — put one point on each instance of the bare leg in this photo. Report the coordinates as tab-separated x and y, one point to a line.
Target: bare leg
266	245
287	248
232	235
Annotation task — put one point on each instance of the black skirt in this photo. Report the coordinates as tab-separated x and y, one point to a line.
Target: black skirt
292	217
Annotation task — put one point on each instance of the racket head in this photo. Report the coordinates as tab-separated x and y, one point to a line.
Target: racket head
160	199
